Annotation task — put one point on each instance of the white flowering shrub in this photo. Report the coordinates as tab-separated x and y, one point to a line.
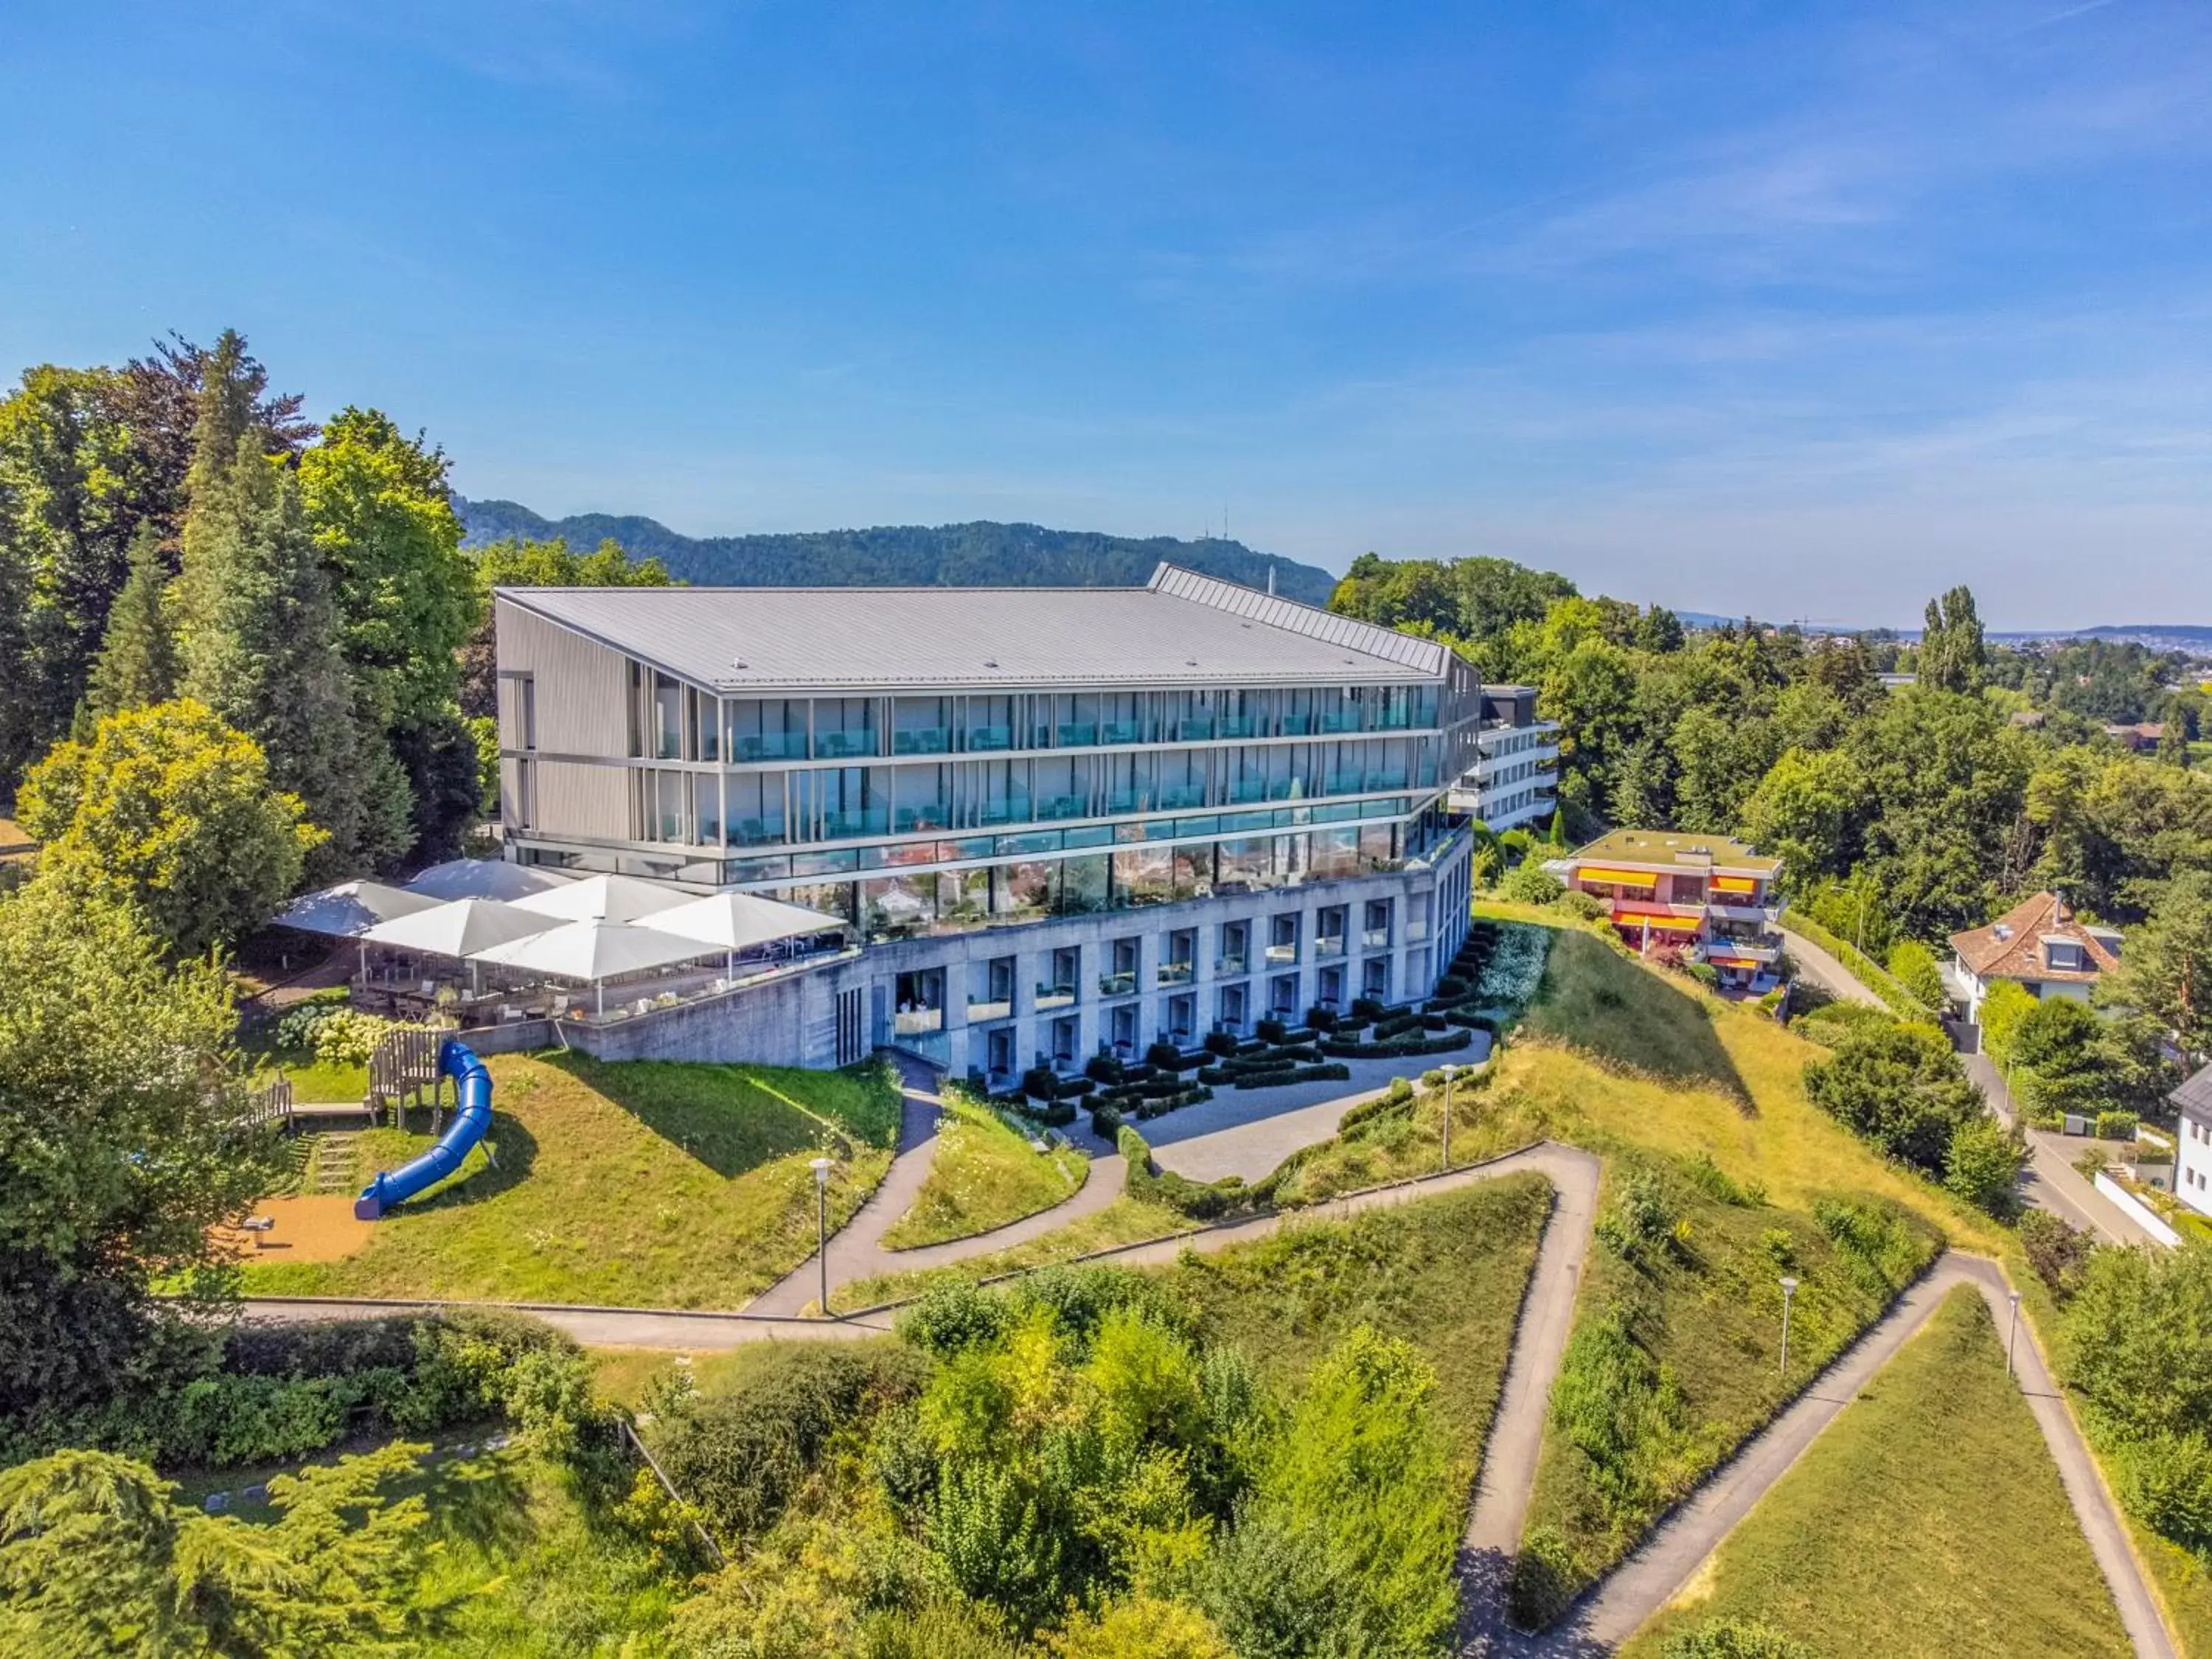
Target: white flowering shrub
1516	966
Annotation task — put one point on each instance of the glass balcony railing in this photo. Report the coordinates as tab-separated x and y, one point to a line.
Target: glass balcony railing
1175	973
1183	798
1118	731
1251	789
1196	731
1053	996
841	745
769	745
1081	735
1342	783
1229	964
920	740
1282	954
843	826
1331	724
980	1009
1240	726
1327	945
1394	719
913	1022
908	819
1375	939
981	740
1063	806
1116	985
997	814
1294	726
670	747
756	832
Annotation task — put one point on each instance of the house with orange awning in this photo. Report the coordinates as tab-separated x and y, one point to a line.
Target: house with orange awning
1713	898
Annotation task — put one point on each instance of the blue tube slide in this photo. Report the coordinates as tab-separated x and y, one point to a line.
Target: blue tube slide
472	1091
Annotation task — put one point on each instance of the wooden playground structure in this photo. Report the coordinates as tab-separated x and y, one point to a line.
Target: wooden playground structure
405	1063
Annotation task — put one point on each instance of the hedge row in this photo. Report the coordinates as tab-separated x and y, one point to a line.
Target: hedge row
1400	1047
1864	968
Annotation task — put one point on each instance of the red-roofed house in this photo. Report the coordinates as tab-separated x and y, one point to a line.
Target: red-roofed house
2038	943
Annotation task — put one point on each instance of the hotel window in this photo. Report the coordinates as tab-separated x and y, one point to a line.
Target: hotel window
1230	1017
1329	931
1374	977
667	718
1283	938
1329	988
1283	995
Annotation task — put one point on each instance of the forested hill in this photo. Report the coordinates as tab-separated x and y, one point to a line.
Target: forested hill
943	555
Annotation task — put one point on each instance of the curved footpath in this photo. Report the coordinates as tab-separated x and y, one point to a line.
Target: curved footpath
1671	1555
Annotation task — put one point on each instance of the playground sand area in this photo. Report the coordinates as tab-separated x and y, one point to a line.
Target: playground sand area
319	1227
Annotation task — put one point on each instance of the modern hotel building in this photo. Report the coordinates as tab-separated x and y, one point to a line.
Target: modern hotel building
1054	819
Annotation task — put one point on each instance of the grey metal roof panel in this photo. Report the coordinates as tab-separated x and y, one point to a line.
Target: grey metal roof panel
2194	1096
881	638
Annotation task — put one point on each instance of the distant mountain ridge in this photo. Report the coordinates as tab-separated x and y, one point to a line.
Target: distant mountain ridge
978	555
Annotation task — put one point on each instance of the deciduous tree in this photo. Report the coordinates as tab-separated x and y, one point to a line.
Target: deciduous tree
170	811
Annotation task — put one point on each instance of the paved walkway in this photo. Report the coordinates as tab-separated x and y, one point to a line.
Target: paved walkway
2050	1181
1247	1132
1674	1551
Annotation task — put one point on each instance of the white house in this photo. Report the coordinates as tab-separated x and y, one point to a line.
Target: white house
2038	945
2192	1148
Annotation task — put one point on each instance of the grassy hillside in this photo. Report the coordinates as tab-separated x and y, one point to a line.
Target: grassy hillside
650	1183
920	555
1928	1521
1445	1273
984	1174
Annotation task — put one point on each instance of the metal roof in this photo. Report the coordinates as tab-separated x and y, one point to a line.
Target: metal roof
2194	1095
1183	629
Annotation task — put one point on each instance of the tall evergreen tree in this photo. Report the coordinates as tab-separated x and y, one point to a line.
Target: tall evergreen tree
1953	655
257	628
138	665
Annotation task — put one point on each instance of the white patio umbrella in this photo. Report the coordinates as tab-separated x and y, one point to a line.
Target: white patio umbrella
738	921
352	909
602	899
484	878
595	952
459	929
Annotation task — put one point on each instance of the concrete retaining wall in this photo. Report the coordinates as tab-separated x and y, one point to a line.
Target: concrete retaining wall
2138	1212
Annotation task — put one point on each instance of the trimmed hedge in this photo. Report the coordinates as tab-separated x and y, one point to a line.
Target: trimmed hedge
1400	1047
1201	1201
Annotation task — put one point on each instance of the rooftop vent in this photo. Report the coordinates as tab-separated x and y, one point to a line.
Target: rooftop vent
2002	930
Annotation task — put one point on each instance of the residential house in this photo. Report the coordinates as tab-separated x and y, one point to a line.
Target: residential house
1711	898
2192	1148
2038	943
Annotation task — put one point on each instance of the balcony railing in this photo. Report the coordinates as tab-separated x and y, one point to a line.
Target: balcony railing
982	1009
1175	973
1194	731
1116	985
1053	996
921	740
1240	726
913	1022
1282	954
982	739
1078	736
747	746
1118	731
1325	945
1375	939
843	745
1228	965
843	826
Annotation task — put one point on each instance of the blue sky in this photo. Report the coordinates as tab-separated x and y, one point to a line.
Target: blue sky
1809	310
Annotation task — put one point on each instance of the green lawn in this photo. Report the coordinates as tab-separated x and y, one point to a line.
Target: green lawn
648	1183
1445	1274
984	1174
1927	1521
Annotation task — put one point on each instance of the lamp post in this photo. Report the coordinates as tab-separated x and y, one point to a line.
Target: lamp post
1789	1290
2012	1332
1449	1072
821	1168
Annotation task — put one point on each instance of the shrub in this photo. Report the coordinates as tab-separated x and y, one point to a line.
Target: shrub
949	1317
1272	1031
1056	1115
1529	883
1912	965
1982	1165
1103	1068
1704	973
1166	1055
1318	1018
1516	967
1639	1224
1221	1043
1207	1201
2056	1253
1584	907
1105	1121
1451	988
741	1456
1400	1047
2116	1125
347	1037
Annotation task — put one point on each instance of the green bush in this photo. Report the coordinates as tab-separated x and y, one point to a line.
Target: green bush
1201	1201
2116	1125
1529	883
1584	907
741	1456
1913	966
1399	1048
